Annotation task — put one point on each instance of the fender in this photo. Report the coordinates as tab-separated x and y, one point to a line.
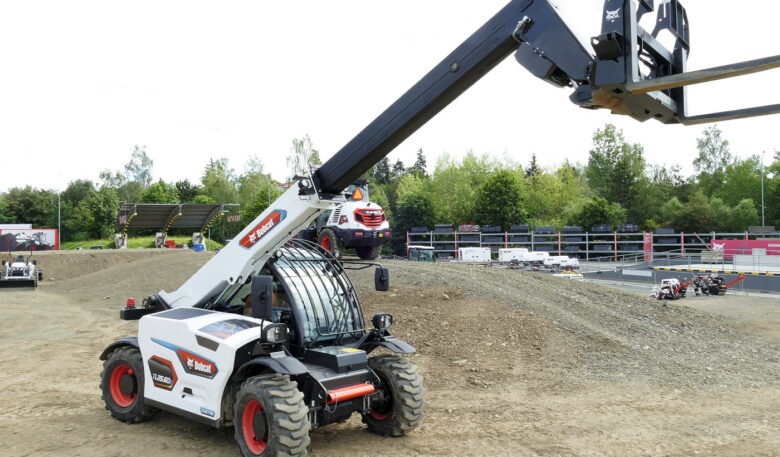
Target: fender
127	341
282	365
390	342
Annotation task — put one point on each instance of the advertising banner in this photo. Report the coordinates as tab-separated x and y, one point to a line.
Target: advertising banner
28	240
648	247
730	248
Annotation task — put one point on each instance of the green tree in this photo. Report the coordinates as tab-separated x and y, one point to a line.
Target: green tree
743	215
254	208
5	214
772	193
76	191
381	172
670	211
160	192
599	211
533	169
697	214
136	176
660	186
257	191
713	160
302	155
615	169
722	216
28	205
100	210
218	182
454	186
554	198
186	191
500	200
420	166
415	209
254	186
139	168
741	179
398	169
72	222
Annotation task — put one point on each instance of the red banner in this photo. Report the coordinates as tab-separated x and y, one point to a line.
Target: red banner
648	247
731	248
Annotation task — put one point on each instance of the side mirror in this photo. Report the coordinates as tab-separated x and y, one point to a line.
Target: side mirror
382	279
262	297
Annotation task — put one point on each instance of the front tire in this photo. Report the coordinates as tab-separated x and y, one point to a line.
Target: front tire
328	241
368	252
122	386
397	407
270	417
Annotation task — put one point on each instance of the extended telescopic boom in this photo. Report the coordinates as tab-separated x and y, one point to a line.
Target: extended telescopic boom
628	72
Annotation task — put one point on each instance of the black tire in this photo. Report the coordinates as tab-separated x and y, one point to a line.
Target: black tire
714	290
122	386
328	241
398	406
368	252
270	417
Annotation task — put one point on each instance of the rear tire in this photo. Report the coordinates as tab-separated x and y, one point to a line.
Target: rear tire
328	241
122	386
270	417
368	252
397	407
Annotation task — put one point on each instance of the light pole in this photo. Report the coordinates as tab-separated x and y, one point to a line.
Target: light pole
59	214
762	189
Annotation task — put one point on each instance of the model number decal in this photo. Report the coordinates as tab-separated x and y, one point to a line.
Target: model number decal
263	227
163	374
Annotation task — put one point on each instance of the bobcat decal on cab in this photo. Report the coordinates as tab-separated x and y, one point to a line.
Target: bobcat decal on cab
613	16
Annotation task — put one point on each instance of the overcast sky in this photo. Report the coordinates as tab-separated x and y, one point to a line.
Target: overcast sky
82	82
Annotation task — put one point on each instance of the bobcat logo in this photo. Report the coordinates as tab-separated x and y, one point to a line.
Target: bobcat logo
613	16
718	246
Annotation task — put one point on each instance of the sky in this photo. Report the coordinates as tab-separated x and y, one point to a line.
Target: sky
83	82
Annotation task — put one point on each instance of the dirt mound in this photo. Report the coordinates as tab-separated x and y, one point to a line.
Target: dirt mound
515	363
62	265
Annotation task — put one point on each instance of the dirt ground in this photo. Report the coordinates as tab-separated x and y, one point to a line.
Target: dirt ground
515	364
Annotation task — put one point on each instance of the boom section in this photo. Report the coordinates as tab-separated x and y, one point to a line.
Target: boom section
251	248
534	26
627	71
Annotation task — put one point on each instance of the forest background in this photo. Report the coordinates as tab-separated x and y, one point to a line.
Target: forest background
616	186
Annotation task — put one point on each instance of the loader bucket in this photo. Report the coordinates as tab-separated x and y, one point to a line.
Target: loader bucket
9	283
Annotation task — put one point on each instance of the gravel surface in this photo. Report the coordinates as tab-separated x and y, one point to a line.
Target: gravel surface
515	364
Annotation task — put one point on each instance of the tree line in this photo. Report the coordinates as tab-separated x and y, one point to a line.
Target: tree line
616	186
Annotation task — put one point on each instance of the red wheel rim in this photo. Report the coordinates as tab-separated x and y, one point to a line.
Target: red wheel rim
379	415
385	406
253	443
123	400
325	243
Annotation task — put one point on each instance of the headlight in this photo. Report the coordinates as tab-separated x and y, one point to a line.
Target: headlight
382	321
274	333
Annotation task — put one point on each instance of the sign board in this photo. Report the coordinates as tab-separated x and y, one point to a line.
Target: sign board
28	240
648	247
730	248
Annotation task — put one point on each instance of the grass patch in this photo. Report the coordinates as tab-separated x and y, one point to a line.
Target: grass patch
146	242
